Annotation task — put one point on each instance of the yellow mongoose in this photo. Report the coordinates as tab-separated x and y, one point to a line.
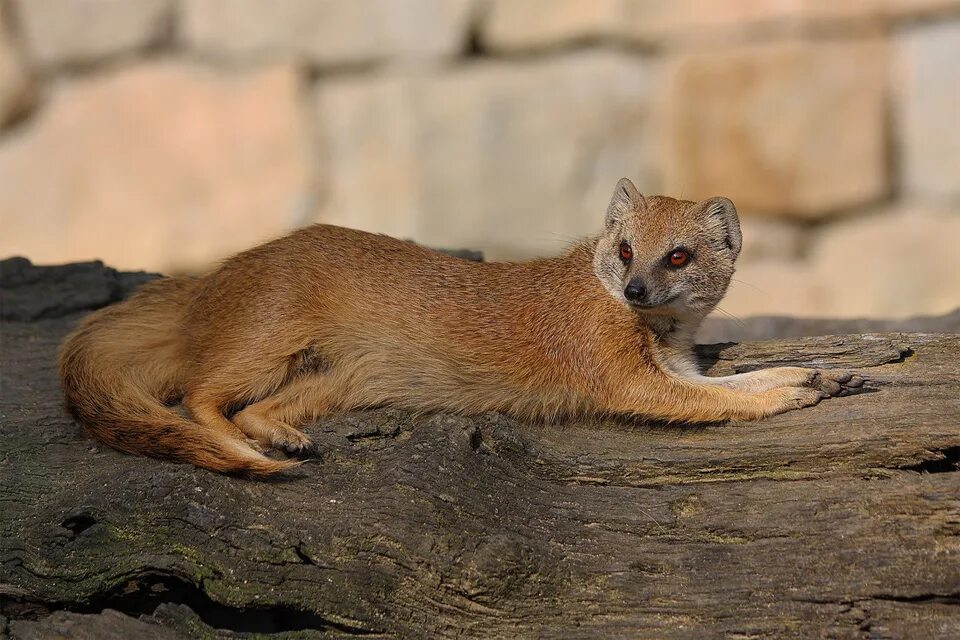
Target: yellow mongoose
330	319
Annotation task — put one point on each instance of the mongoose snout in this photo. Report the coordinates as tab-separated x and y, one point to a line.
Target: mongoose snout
636	291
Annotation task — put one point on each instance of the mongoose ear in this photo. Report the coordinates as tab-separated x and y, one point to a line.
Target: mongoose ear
722	213
626	200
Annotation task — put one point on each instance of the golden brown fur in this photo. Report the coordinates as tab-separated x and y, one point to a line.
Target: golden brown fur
329	319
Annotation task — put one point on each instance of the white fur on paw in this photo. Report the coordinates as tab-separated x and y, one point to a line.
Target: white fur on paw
801	397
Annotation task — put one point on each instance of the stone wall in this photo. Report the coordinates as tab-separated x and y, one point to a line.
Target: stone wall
166	134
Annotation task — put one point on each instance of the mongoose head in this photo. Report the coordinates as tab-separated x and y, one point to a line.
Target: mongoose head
667	257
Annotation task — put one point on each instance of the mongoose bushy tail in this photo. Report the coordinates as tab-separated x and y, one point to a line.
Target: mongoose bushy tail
123	363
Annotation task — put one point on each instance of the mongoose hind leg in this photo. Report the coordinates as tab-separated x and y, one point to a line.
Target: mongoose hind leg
271	420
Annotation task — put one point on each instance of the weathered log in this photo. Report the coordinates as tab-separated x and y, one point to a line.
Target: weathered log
840	520
728	329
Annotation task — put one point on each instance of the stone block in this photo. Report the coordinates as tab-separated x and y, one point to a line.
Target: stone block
905	260
18	89
512	158
895	263
328	32
928	90
524	24
69	32
791	128
162	166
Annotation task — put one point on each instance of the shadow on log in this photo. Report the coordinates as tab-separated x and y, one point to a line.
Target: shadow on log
840	520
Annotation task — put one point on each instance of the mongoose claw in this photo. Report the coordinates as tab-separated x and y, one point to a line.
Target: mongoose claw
852	386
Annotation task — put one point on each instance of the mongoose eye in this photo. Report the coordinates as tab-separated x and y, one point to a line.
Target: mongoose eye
678	258
626	251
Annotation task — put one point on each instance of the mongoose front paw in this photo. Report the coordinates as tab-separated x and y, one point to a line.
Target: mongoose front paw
835	382
800	397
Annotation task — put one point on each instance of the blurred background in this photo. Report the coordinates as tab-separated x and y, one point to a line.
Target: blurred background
168	134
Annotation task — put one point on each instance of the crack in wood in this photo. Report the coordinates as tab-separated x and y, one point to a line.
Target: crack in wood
941	461
143	594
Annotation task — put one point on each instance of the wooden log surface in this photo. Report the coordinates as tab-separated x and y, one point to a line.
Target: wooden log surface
841	520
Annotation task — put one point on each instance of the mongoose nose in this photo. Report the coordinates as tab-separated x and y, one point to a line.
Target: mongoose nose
635	291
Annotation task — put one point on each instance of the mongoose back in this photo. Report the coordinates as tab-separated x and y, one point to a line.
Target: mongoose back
329	319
